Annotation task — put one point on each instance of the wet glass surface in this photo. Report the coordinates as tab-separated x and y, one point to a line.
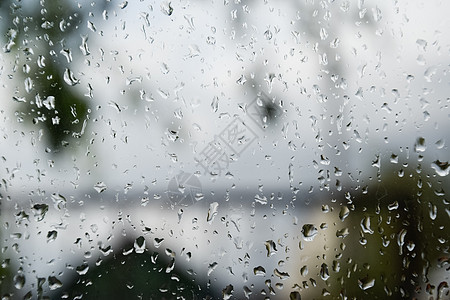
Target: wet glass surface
224	149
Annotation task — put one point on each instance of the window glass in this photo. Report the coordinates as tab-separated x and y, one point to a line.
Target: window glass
224	149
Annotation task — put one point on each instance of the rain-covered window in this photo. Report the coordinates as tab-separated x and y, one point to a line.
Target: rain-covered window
229	149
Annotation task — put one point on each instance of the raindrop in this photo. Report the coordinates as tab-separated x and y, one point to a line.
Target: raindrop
139	245
295	296
365	225
100	187
105	250
268	34
19	99
259	271
323	34
211	268
241	80
83	269
91	26
440	290
39	211
343	213
342	233
440	144
247	292
420	146
212	212
84	46
170	266
281	275
51	235
28	84
157	242
394	158
366	283
441	167
309	232
432	211
19	281
401	240
69	78
166	8
41	61
54	283
271	247
227	292
324	273
59	201
304	271
123	4
215	104
210	40
261	199
393	206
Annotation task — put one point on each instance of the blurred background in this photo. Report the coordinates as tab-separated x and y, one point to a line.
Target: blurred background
224	149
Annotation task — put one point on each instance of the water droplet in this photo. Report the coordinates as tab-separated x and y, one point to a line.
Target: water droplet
105	250
19	99
420	146
261	199
170	266
365	225
52	235
19	281
91	26
336	266
157	242
342	233
309	232
295	296
441	167
69	77
123	4
401	240
139	245
166	8
281	275
215	104
440	290
268	34
83	269
39	211
41	61
210	40
28	84
59	201
212	212
432	211
100	187
394	158
211	268
247	292
84	46
271	247
366	283
259	271
227	292
241	80
324	273
343	213
54	283
393	206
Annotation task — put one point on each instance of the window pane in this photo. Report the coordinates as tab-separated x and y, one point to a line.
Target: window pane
224	149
